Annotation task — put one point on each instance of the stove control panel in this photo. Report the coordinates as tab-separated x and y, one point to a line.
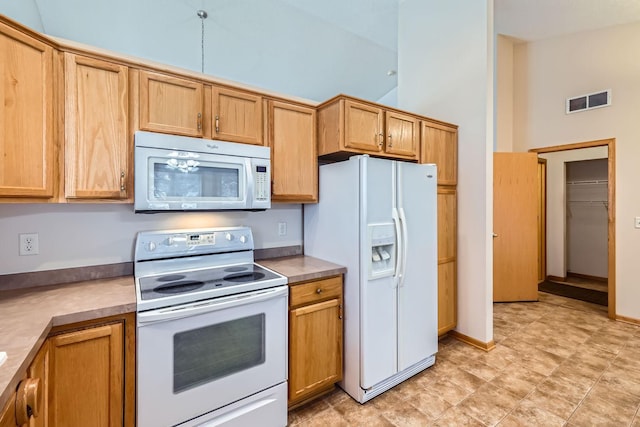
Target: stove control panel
177	243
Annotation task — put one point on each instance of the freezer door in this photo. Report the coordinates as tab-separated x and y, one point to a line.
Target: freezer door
378	317
418	286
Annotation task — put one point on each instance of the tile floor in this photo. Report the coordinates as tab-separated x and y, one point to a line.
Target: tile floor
557	362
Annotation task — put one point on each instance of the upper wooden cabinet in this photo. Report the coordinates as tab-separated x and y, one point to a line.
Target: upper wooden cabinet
362	125
439	145
170	104
26	116
291	135
97	148
347	126
403	134
237	116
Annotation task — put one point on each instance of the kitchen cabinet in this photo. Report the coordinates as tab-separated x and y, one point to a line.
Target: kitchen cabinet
97	146
28	406
8	414
237	116
348	126
447	260
91	374
315	338
27	152
170	104
291	135
439	145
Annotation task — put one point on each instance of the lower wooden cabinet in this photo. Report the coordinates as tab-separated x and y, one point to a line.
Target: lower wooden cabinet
315	338
83	375
87	368
28	406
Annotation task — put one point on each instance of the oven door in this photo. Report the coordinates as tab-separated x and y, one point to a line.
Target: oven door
196	358
183	180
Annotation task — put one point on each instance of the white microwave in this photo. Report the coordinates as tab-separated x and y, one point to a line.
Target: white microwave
179	173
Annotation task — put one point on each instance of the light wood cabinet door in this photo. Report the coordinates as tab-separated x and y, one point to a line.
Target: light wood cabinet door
315	338
315	348
363	127
96	122
402	135
294	162
87	377
439	145
237	116
447	305
40	369
26	116
8	414
447	243
170	105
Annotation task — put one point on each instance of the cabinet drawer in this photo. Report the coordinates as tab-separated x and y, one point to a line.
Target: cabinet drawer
318	290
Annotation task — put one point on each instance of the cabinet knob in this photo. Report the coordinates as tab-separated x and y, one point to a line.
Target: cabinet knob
318	291
28	400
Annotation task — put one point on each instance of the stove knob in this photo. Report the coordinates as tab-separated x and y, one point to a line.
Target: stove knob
229	236
170	241
243	239
151	246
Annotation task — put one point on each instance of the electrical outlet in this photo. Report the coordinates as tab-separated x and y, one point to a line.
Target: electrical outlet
282	229
29	244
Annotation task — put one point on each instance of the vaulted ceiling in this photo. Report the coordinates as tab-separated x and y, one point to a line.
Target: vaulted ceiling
308	48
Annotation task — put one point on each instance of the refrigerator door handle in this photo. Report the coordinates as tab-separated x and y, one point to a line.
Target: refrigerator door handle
403	240
399	248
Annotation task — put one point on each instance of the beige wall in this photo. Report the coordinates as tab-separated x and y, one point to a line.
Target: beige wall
546	73
504	94
445	71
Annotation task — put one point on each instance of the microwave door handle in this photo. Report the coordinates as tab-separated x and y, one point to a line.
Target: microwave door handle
249	191
211	305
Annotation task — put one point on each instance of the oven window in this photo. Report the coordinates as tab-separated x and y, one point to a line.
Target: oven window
205	354
191	179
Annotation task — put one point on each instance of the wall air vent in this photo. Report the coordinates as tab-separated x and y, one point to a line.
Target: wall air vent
589	101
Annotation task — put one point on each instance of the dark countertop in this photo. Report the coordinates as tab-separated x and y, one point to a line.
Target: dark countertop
28	315
303	268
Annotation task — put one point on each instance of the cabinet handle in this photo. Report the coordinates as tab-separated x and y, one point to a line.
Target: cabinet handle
217	124
122	184
381	140
199	121
28	400
318	291
340	311
390	143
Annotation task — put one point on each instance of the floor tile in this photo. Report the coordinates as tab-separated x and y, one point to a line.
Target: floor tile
489	404
555	360
528	414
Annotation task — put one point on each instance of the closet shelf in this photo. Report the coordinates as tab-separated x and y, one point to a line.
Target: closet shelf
589	182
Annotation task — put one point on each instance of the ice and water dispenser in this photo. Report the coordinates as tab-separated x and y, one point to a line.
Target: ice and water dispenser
382	241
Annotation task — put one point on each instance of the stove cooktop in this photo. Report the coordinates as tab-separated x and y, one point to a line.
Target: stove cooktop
190	282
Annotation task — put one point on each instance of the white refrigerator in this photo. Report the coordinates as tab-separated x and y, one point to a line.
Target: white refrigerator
378	218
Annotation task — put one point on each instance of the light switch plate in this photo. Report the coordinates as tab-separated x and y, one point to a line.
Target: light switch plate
638	222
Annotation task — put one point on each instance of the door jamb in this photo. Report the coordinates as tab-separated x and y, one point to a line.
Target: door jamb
611	211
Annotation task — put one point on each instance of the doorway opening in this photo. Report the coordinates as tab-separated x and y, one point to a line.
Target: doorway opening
560	258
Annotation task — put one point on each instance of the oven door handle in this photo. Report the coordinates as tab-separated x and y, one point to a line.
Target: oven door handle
192	309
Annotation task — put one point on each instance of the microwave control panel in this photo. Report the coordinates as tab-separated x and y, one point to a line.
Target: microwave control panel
262	183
